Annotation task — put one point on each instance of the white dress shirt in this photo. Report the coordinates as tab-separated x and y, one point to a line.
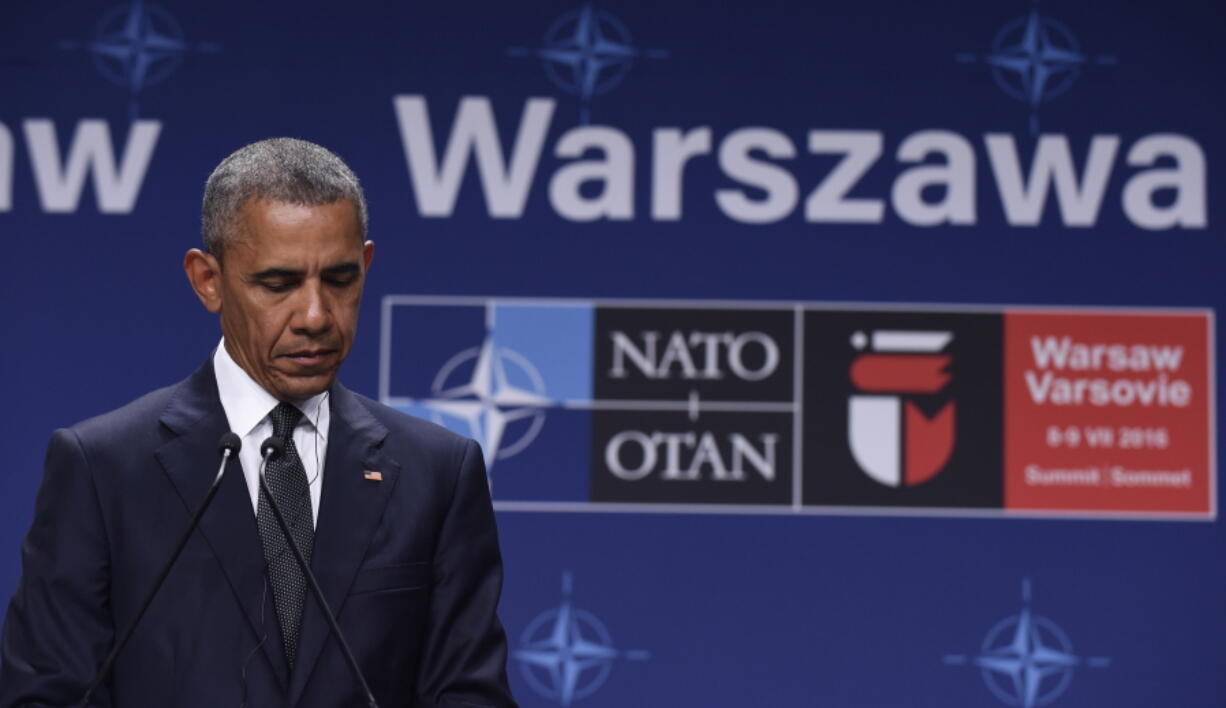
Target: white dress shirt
247	406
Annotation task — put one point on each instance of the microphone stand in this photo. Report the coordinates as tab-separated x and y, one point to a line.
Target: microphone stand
230	444
270	448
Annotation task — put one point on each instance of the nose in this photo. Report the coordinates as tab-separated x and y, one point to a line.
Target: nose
313	315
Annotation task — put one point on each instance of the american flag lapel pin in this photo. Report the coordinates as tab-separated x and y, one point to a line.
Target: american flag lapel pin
373	475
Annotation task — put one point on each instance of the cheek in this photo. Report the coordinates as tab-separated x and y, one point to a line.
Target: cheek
260	327
345	311
349	321
270	327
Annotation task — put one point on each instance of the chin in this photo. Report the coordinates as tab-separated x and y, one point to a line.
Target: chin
302	390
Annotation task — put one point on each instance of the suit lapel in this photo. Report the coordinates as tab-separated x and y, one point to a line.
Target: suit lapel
190	460
350	510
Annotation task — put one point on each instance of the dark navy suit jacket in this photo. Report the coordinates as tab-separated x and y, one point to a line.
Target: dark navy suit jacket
410	565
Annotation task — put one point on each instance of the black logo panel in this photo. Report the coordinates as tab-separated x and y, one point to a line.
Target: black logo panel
675	457
681	353
903	409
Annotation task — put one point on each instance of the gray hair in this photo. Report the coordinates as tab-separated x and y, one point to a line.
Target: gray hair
278	169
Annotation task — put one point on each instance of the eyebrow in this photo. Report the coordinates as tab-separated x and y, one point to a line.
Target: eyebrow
276	273
343	269
269	273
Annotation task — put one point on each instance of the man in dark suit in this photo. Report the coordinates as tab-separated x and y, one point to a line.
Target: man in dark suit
393	513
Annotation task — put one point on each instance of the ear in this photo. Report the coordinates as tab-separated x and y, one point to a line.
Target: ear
204	274
368	254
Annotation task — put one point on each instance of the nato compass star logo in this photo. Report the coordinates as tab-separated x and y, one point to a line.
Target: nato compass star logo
566	654
1027	660
136	46
586	53
494	390
1035	58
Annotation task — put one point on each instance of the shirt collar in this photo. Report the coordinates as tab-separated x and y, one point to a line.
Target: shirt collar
247	404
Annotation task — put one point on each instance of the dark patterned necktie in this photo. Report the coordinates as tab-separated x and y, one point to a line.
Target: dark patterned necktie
287	481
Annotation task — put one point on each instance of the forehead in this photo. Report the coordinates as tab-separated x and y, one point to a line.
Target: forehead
282	229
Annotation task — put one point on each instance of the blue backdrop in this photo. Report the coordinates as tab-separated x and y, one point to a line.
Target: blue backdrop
697	156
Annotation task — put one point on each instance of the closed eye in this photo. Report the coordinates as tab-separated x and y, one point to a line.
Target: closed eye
277	287
277	280
342	275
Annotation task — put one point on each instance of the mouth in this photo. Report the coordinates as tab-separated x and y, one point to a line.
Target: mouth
311	361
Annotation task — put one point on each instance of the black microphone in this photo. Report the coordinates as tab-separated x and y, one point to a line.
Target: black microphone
270	449
229	445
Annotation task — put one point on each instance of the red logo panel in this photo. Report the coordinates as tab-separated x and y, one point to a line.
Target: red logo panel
1107	412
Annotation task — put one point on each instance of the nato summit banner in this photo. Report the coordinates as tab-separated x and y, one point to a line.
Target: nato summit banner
829	354
711	406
